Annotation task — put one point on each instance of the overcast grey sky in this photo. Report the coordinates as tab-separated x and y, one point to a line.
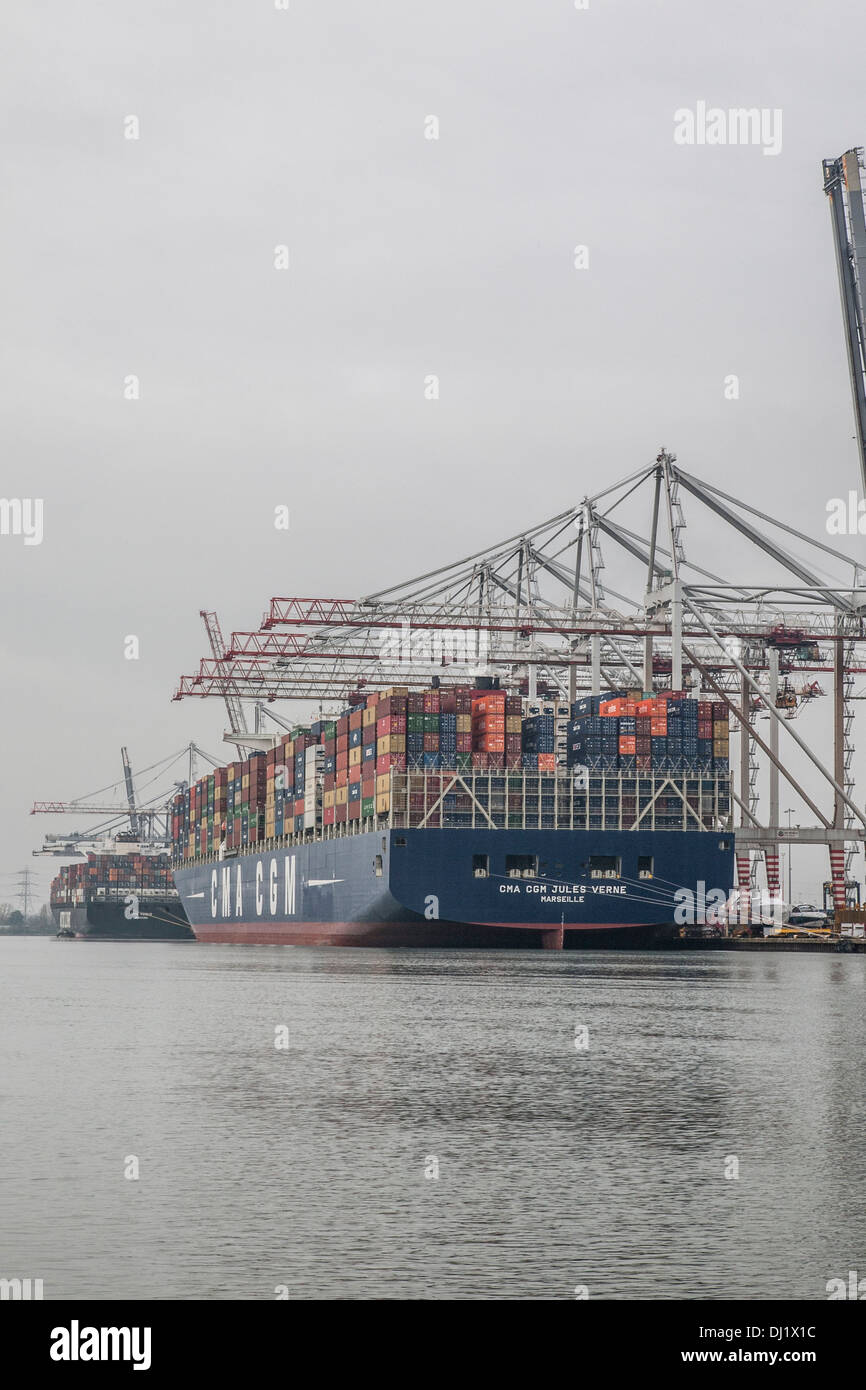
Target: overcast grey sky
408	256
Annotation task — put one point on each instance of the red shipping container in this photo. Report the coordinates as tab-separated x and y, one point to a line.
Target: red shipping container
659	728
395	762
354	809
642	726
464	743
643	762
299	806
329	782
447	702
547	762
356	719
627	744
479	760
705	728
431	743
342	761
329	815
492	743
643	744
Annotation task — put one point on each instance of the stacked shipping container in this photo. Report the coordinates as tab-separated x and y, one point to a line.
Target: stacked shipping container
664	733
340	770
113	876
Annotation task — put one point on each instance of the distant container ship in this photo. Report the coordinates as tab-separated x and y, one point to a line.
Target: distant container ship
125	895
464	817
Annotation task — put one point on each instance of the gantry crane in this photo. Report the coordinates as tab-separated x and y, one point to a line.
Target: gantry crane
148	825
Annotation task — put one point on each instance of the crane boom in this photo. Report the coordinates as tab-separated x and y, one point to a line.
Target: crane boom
228	690
130	791
843	186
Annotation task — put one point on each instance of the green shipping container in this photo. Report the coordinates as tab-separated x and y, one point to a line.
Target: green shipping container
368	805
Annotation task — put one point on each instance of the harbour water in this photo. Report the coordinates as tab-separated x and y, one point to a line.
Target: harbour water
394	1124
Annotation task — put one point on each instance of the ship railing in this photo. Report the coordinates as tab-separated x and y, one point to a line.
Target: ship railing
691	798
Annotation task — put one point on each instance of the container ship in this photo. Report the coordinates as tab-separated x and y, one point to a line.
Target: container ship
464	817
125	895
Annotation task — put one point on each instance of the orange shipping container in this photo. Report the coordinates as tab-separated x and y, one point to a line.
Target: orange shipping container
614	708
491	702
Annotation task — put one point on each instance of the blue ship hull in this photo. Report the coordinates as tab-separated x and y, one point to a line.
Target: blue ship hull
439	887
